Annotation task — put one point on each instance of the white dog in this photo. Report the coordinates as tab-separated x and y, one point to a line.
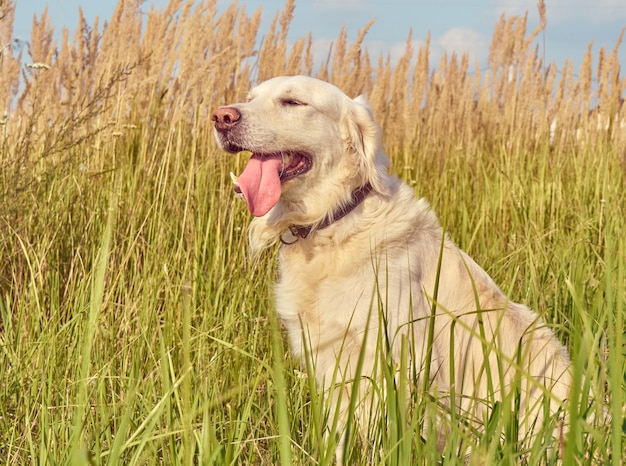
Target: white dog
363	261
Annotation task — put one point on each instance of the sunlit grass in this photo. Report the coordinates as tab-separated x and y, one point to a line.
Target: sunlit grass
135	330
151	340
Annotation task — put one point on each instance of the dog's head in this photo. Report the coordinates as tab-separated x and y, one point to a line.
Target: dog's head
311	146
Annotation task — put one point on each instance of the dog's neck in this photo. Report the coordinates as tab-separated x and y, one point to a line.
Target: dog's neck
302	231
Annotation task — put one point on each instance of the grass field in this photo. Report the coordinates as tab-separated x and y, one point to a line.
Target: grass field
135	330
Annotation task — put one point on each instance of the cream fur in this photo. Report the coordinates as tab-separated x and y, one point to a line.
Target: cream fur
374	271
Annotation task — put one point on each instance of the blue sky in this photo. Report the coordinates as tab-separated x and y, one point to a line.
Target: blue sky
459	25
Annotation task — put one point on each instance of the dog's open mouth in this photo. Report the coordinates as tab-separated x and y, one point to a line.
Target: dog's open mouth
261	181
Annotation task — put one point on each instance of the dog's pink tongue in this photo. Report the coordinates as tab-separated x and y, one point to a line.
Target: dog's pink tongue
260	184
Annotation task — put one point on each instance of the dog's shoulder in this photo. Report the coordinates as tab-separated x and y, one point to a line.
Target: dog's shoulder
404	219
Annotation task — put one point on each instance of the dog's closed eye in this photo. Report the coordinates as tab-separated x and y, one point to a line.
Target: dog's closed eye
291	102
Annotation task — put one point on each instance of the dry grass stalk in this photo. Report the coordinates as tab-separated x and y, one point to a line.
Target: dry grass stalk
9	63
176	64
543	22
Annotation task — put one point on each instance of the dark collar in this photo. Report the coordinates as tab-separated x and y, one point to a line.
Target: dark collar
302	231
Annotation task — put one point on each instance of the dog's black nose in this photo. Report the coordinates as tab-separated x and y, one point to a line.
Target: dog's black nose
225	118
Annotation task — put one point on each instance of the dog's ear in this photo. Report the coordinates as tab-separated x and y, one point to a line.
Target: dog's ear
362	135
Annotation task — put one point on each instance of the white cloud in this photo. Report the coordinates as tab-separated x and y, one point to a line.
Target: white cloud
320	49
462	40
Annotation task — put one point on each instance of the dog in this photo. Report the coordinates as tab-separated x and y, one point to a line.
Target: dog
362	260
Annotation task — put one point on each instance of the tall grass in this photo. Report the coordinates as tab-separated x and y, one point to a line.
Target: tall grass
134	330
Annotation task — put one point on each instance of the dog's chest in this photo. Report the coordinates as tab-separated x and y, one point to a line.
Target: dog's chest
334	298
312	285
322	294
